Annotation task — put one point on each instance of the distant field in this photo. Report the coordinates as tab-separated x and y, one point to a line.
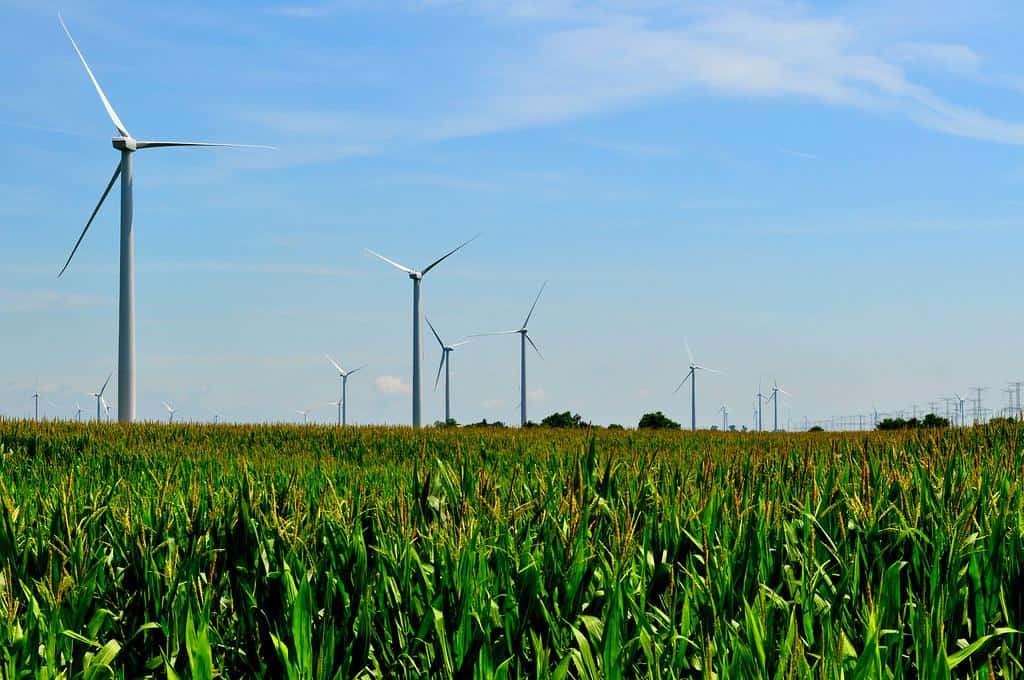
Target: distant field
295	552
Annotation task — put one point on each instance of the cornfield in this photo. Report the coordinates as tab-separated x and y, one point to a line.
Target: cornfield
193	551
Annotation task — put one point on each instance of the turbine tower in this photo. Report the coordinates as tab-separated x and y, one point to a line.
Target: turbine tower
775	399
725	418
100	401
445	364
126	145
304	414
35	398
342	403
692	377
524	337
416	277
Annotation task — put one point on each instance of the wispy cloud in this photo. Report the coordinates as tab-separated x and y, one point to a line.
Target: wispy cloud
798	154
392	385
35	300
587	59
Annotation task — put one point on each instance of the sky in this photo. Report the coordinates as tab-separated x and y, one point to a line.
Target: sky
824	194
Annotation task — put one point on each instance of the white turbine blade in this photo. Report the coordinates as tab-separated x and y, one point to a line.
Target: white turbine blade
390	262
161	144
105	382
784	392
356	370
168	407
689	353
461	343
534	306
99	90
434	331
484	335
680	386
110	184
444	356
708	368
335	364
447	255
535	348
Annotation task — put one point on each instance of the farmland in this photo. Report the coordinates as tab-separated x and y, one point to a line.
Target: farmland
314	552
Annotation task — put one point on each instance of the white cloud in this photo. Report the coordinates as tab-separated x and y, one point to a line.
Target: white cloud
586	59
959	59
392	385
536	395
35	300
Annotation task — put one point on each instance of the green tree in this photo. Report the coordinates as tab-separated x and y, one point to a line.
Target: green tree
564	419
657	421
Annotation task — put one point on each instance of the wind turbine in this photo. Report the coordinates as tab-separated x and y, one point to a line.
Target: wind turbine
304	414
775	398
127	145
417	277
725	418
170	411
692	377
78	412
524	337
99	397
35	398
342	403
760	400
445	364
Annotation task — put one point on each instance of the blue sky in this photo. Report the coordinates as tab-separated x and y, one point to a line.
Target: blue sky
829	193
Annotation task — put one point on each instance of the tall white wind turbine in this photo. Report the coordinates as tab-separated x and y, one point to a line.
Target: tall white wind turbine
416	277
775	399
100	401
170	413
446	351
127	145
691	375
35	398
304	415
342	403
78	412
524	337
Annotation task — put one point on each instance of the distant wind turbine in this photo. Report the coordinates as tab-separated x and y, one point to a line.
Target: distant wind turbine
127	145
775	399
692	377
100	401
524	337
304	414
35	398
78	412
342	403
416	277
760	400
445	364
725	418
170	412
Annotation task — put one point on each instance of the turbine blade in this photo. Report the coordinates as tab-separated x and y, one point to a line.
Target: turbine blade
785	392
104	388
168	407
444	355
448	254
484	335
689	352
390	262
461	343
680	386
161	144
99	90
707	368
434	331
110	184
356	370
335	364
535	300
536	349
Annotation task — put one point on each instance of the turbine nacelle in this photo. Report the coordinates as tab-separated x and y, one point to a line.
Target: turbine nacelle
125	144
